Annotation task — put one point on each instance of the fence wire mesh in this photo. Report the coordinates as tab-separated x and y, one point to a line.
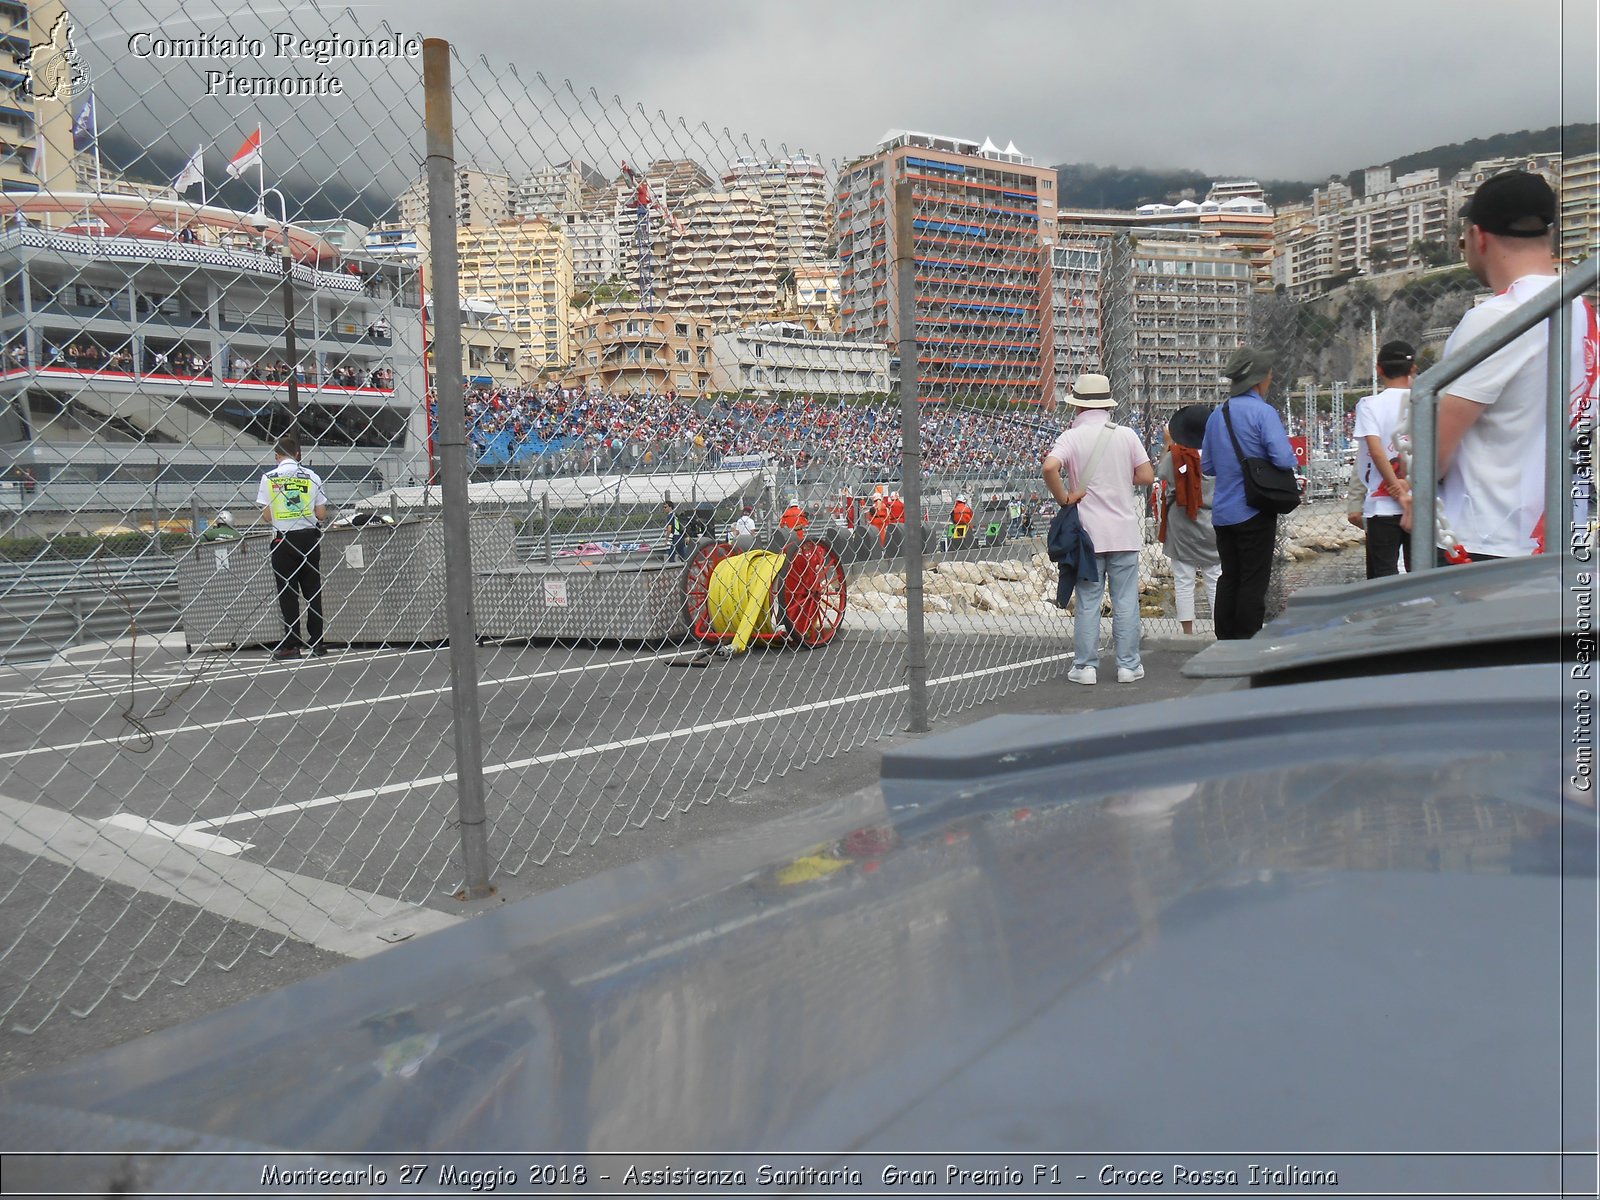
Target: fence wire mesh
689	531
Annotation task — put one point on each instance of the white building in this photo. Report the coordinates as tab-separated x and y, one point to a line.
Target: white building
596	248
797	193
786	357
555	190
724	261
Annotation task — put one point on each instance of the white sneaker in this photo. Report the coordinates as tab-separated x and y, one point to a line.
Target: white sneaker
1084	675
1126	676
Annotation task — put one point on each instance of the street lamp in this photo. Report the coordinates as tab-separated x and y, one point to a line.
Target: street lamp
262	223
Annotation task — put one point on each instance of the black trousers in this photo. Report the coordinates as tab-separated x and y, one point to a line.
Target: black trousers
297	567
1246	551
1387	546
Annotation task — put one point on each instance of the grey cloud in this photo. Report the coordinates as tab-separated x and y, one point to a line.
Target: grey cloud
1281	90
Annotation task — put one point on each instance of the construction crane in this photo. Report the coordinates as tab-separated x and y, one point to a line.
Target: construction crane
645	204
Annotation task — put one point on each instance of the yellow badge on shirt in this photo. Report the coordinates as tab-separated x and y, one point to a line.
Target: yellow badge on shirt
291	497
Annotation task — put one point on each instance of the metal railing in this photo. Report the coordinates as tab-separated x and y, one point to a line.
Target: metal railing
1555	306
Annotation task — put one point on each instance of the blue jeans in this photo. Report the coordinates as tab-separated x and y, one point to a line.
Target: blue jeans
1121	567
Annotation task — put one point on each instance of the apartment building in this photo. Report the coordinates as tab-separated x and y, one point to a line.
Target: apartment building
1175	303
23	118
554	190
481	198
796	191
392	240
1235	213
983	222
596	248
724	261
1079	269
631	349
671	182
1399	223
525	267
18	116
489	346
816	292
1580	207
787	357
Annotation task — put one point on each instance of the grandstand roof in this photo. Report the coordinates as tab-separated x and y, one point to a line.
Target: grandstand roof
106	214
583	491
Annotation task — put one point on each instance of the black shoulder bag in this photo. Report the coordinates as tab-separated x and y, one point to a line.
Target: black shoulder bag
1267	486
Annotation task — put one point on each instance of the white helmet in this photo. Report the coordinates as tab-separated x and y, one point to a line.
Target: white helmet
963	499
224	517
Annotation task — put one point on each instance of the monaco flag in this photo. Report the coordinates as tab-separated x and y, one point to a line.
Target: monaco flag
249	155
194	171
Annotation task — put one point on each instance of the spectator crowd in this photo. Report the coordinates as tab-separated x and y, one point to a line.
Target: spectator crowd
793	433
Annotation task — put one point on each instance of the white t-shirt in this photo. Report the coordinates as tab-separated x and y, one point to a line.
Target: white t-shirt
745	526
1108	511
291	489
1494	491
1377	416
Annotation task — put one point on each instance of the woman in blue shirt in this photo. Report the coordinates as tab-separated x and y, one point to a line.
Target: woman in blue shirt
1247	537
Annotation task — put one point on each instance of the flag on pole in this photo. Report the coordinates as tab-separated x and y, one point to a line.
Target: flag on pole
194	171
249	156
37	165
85	130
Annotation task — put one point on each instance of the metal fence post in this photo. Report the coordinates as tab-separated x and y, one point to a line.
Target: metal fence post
451	432
910	461
1558	437
549	550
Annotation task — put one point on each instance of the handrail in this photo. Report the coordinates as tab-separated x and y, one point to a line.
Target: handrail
1554	305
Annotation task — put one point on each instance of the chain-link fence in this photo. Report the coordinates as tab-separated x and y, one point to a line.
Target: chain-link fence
650	462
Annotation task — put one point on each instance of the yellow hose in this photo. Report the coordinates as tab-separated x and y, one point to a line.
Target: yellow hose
739	596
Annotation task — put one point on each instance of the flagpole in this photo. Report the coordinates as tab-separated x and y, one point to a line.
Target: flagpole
94	131
261	168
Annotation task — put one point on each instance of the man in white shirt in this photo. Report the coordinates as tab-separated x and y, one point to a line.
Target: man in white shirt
1492	419
1386	494
1104	463
744	531
293	502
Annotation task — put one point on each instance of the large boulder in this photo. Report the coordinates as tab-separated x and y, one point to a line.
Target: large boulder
988	599
968	572
1008	570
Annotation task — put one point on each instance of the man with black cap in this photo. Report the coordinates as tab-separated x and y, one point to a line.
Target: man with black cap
1247	537
1492	419
1386	494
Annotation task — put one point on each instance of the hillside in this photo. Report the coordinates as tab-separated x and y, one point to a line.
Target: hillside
1089	185
1570	139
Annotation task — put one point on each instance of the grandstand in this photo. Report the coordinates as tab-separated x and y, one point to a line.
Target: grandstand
144	349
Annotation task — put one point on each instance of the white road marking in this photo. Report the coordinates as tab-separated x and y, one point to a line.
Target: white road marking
632	743
316	709
177	833
330	916
253	669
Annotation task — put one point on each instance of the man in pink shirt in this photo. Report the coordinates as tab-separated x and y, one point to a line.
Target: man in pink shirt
1102	463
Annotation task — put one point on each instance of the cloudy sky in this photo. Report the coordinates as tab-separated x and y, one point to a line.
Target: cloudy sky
1275	88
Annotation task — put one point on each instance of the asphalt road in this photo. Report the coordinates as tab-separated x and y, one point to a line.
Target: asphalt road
207	820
